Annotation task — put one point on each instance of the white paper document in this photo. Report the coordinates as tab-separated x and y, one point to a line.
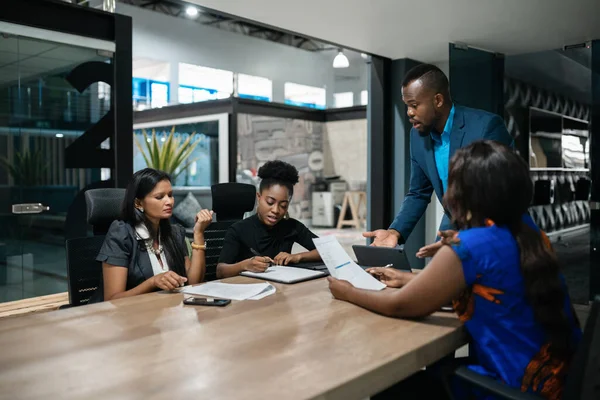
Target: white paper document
267	292
253	291
283	274
341	266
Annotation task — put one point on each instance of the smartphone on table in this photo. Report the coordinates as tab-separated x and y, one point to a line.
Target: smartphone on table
203	301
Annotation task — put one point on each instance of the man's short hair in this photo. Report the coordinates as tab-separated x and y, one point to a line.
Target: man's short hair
432	77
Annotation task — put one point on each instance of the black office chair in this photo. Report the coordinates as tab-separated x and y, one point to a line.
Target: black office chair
583	381
230	202
84	273
103	207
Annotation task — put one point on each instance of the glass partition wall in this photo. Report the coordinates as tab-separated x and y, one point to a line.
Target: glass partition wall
41	115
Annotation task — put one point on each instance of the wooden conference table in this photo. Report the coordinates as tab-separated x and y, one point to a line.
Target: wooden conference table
296	344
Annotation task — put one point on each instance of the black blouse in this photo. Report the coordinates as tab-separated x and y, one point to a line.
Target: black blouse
122	247
253	234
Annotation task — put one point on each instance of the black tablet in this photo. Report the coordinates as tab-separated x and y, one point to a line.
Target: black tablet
369	256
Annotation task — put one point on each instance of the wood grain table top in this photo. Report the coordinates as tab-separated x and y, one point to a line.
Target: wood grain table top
299	343
33	305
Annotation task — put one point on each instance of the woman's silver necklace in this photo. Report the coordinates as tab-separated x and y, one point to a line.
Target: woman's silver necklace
151	248
157	251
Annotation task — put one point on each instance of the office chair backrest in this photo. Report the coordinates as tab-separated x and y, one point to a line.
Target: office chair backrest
103	207
583	382
84	273
214	236
232	200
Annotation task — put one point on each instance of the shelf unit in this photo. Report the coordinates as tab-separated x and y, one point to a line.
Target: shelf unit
557	141
556	147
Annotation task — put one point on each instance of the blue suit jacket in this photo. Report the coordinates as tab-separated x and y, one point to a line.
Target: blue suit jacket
470	125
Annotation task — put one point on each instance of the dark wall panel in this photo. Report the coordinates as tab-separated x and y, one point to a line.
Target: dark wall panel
401	160
379	116
477	79
595	172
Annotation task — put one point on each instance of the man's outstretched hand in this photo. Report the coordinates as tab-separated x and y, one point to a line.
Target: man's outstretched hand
383	237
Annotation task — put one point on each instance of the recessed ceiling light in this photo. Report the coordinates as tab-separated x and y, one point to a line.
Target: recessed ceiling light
59	135
191	11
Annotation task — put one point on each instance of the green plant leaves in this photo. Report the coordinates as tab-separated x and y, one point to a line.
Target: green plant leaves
27	169
169	155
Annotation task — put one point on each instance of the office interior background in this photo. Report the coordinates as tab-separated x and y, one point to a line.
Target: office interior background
282	83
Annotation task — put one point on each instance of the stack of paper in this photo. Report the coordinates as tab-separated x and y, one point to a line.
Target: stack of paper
341	266
253	291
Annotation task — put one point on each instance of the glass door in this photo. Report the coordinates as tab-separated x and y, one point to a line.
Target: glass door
41	115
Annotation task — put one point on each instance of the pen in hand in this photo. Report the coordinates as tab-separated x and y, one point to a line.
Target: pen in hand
257	254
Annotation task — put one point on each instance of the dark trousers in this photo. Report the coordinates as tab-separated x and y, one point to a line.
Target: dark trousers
432	383
420	386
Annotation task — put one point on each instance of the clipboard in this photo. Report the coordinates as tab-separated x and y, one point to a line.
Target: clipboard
288	275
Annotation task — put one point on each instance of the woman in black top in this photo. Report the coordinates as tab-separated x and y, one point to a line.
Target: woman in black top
143	252
267	237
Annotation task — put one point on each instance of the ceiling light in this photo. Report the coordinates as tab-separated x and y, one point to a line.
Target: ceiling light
341	61
191	11
59	135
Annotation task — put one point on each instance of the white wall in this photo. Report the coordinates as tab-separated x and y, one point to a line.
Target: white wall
444	66
176	40
352	79
345	151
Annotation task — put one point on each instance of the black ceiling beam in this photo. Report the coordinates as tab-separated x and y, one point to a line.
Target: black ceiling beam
217	21
301	42
150	3
167	9
277	29
63	17
257	30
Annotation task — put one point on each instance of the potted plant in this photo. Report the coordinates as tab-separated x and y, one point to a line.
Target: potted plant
170	155
28	168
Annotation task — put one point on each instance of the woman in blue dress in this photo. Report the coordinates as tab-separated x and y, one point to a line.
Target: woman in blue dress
503	278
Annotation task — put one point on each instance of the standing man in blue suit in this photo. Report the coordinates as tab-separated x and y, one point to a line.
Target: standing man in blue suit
439	129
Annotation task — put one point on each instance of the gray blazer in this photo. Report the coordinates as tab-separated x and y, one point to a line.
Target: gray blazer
123	247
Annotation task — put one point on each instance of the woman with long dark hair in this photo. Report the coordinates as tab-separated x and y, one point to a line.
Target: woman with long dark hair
268	236
503	277
143	251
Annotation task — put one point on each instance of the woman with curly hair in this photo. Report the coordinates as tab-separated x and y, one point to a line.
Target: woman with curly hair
503	277
268	236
